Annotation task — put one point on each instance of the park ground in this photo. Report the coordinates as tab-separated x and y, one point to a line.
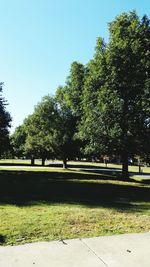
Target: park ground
42	204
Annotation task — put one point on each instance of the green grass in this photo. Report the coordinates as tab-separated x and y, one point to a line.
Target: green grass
43	204
80	164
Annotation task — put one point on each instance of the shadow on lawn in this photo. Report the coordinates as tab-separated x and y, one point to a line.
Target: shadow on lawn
56	165
80	166
26	187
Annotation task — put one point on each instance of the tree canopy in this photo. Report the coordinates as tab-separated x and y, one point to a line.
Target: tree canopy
48	132
5	120
116	92
103	105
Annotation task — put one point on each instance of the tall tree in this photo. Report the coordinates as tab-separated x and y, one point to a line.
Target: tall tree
70	100
67	145
89	127
18	139
40	129
5	120
120	117
50	130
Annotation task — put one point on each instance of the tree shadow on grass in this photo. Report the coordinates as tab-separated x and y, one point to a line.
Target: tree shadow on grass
145	181
57	165
80	166
112	174
116	174
140	174
28	187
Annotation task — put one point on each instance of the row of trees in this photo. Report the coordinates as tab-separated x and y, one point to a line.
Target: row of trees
103	109
48	132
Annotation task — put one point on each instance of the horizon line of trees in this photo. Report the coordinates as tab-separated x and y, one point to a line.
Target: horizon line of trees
104	106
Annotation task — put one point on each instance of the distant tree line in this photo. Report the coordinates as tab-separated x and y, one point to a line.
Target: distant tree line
103	108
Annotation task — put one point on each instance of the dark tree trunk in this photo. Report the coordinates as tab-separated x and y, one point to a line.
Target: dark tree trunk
32	161
125	172
64	163
139	163
43	161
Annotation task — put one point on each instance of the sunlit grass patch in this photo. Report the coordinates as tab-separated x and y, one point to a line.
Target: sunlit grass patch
62	221
60	204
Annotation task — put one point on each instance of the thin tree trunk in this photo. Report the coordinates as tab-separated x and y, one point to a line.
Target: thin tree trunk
65	163
32	161
125	172
43	161
139	163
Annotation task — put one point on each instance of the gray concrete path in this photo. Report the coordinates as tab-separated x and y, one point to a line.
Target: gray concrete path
129	250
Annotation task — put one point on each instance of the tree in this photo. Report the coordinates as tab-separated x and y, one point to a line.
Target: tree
118	116
18	139
74	88
50	130
89	127
67	146
40	129
5	120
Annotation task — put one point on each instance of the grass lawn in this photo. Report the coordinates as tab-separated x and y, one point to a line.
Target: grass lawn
43	204
80	164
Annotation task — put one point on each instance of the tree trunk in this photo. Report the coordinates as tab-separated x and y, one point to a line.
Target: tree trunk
43	161
32	161
139	163
64	163
125	173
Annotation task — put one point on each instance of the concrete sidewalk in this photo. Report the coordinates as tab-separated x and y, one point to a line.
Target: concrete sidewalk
129	250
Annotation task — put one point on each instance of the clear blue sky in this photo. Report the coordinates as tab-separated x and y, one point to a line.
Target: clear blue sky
41	38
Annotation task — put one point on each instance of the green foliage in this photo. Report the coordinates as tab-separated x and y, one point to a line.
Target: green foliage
5	120
40	129
74	88
94	80
50	129
68	146
105	104
116	92
18	139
